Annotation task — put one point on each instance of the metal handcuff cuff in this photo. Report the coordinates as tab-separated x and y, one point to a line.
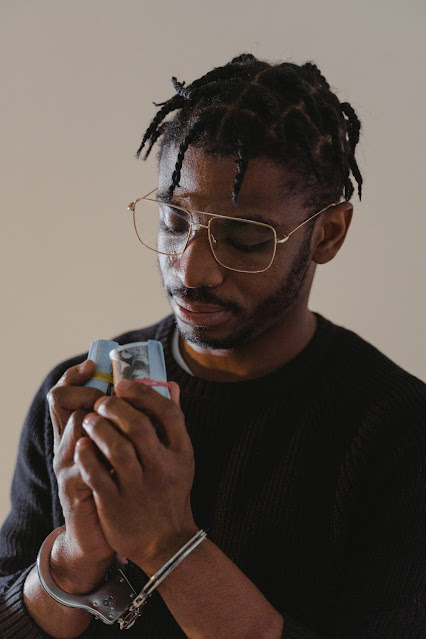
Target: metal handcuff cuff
115	600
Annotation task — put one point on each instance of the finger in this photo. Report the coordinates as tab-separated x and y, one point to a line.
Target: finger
68	394
74	493
116	448
159	409
78	375
70	398
69	437
68	476
92	471
134	425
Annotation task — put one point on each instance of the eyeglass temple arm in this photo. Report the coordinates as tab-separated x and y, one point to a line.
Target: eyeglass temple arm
148	194
286	237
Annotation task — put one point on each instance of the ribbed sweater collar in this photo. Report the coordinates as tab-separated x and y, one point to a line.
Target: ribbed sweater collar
292	374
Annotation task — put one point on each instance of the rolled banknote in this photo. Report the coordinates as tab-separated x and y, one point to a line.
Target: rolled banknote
99	353
143	361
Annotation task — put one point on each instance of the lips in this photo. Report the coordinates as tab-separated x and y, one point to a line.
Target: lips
200	314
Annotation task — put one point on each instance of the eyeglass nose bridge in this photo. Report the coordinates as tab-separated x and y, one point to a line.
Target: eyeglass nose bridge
196	226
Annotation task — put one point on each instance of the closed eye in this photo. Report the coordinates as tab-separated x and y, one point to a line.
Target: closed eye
173	221
248	248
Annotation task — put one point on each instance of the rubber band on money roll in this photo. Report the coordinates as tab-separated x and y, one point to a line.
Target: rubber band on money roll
99	353
153	382
103	377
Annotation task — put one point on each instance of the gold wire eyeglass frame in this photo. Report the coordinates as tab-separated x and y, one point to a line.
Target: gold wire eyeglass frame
196	226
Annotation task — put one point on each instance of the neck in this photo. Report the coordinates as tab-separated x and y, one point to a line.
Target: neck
272	349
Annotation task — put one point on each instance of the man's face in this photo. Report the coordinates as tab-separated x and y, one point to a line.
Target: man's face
217	308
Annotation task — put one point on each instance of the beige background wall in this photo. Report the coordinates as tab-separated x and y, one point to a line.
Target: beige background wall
77	81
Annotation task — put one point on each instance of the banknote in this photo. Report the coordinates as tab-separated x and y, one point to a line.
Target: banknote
141	361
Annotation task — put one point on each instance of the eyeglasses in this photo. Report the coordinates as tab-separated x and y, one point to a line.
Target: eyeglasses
245	246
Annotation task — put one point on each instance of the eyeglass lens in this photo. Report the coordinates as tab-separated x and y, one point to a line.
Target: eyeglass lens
236	244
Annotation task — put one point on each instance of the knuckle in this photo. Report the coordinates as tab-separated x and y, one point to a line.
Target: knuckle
70	430
65	380
66	482
137	427
54	395
71	376
109	403
76	418
121	453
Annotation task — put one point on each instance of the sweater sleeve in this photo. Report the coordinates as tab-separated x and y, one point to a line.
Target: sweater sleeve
35	511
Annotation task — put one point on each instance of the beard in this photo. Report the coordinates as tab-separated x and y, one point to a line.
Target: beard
262	317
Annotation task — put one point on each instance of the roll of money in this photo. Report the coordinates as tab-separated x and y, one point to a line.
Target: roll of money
141	361
99	352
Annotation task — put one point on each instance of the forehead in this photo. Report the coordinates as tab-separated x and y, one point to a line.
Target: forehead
207	182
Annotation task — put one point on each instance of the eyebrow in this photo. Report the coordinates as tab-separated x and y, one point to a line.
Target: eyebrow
255	217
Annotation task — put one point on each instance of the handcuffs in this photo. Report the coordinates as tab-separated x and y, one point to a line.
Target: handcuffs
115	600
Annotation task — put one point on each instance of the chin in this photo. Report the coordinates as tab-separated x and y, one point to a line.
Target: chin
204	337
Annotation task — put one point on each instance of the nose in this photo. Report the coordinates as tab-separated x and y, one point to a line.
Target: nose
197	265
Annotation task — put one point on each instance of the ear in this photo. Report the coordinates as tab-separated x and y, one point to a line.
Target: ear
331	232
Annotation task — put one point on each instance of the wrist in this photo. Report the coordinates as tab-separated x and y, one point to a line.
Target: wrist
108	602
157	579
159	552
74	571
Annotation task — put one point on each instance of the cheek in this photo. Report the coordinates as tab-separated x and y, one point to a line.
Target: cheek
288	255
253	289
165	264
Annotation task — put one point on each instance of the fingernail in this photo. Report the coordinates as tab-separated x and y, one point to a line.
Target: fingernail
123	384
99	402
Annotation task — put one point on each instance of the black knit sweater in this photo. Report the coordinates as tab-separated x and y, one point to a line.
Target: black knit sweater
311	479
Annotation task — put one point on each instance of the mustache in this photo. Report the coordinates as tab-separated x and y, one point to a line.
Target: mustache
202	294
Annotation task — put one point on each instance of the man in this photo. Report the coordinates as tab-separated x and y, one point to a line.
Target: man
296	445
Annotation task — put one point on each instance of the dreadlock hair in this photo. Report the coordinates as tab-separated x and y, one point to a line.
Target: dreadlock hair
249	108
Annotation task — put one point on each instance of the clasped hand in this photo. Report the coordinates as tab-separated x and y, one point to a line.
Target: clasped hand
125	469
143	502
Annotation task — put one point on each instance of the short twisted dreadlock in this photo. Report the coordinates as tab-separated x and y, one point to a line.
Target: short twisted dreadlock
249	108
